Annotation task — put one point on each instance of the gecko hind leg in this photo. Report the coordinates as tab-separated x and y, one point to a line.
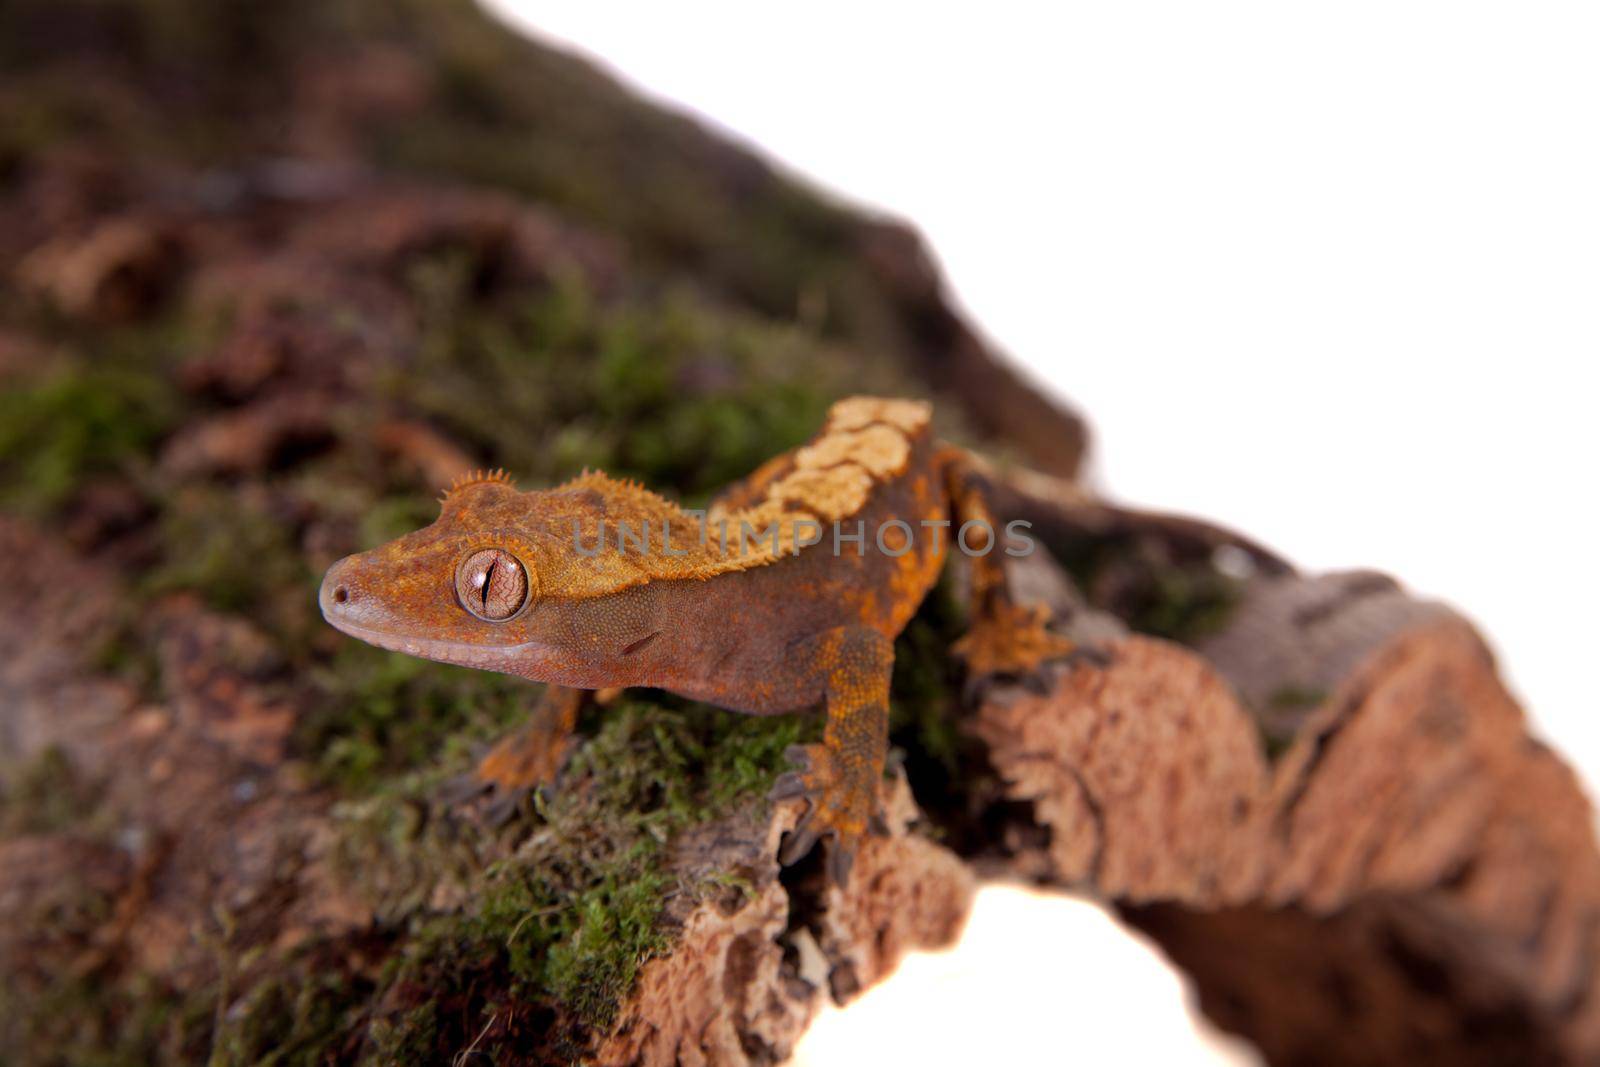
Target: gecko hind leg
528	758
1005	638
841	778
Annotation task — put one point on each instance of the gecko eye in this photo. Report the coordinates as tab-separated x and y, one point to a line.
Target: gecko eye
491	584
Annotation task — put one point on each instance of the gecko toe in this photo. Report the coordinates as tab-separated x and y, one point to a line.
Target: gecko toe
1036	683
460	789
1009	642
490	803
974	687
512	777
800	840
842	804
788	786
502	805
841	857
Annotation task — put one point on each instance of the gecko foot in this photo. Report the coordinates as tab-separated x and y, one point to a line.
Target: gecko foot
526	761
1010	640
842	803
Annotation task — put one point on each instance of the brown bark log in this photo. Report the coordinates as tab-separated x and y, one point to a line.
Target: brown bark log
1313	792
1413	880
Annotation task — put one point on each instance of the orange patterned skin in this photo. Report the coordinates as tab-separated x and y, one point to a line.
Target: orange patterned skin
557	586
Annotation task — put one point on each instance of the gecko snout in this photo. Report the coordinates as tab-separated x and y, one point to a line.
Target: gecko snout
341	597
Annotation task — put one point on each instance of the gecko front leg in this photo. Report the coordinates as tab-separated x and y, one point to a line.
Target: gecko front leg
841	777
1005	637
528	758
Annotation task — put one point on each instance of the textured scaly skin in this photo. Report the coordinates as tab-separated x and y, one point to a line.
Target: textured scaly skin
760	626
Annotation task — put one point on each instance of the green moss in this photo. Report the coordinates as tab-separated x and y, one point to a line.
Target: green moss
395	516
35	121
227	547
297	1018
572	914
57	432
617	927
124	647
1185	604
670	391
98	404
545	126
1284	710
374	714
61	1006
925	707
71	1020
650	773
1274	744
744	754
1137	578
410	1037
1296	697
45	796
492	111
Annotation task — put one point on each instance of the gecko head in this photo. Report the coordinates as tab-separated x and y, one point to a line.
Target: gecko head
501	581
461	590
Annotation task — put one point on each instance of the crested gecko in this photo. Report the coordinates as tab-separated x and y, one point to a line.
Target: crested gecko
786	593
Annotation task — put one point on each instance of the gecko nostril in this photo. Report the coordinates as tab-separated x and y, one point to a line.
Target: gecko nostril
340	595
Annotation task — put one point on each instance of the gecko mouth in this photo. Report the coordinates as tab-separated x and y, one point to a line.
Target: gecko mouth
484	657
426	648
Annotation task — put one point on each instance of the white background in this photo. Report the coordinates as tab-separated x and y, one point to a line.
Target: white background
1327	273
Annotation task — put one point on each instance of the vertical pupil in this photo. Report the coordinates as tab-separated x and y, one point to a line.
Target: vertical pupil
488	581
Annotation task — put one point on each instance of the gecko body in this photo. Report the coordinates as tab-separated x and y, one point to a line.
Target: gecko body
787	594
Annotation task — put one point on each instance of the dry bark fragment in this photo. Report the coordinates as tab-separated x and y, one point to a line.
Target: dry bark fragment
269	432
744	981
120	270
1415	878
